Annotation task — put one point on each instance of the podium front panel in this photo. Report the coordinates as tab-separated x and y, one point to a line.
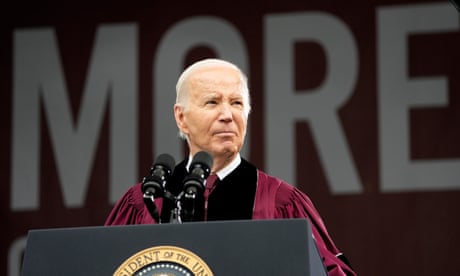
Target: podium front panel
262	247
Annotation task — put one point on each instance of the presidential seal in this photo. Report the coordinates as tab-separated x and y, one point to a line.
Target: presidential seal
164	261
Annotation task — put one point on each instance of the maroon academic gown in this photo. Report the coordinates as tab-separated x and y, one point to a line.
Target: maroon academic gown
259	196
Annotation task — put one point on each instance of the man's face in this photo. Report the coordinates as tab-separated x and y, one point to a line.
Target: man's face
213	119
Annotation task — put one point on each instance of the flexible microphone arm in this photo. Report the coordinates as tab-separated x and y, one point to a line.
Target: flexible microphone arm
153	185
199	170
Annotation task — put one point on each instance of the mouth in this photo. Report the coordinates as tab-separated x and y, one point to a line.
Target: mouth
224	133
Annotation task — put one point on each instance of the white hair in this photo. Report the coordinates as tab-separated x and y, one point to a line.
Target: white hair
181	90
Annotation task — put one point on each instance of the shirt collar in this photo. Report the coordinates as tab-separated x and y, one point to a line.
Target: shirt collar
224	171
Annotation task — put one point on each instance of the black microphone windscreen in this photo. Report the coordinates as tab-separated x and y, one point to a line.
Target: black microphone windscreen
166	161
203	158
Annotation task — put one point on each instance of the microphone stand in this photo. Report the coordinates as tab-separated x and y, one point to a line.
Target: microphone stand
184	209
193	185
176	212
149	201
188	200
179	214
154	185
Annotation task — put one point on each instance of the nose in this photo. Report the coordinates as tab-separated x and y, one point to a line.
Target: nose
225	113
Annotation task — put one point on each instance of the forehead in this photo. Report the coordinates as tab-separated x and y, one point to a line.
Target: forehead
215	79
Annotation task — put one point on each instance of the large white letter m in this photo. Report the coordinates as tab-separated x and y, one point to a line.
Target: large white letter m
38	78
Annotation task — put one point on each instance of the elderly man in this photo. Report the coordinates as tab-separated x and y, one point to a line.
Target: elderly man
211	112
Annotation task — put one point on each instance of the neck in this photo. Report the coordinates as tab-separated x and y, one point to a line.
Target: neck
221	162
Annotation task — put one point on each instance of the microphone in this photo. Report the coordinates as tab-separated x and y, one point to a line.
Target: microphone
153	185
200	168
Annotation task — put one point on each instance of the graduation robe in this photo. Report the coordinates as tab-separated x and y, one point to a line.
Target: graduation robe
246	193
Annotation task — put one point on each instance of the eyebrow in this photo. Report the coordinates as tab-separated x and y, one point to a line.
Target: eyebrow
211	95
215	95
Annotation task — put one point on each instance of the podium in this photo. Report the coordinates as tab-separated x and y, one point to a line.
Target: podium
252	247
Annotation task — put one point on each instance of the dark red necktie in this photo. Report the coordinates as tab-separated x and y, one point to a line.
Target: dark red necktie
210	183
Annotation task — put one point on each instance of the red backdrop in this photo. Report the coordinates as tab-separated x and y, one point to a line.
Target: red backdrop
382	231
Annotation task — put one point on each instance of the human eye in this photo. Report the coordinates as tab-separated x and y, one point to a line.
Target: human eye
237	103
211	102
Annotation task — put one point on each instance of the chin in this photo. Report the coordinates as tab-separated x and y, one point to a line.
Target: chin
229	152
226	147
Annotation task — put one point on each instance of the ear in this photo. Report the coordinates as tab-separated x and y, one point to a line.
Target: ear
180	120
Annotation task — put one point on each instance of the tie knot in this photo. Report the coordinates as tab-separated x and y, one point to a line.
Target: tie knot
211	180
